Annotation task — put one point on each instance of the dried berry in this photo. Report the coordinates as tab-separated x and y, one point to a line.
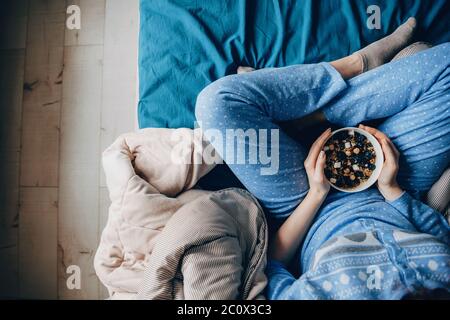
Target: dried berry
350	159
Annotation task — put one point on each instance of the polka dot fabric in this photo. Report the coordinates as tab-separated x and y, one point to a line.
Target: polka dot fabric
412	96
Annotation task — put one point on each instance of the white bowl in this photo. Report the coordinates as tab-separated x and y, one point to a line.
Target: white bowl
379	160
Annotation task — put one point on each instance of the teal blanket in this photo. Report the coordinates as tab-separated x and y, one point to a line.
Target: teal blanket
186	44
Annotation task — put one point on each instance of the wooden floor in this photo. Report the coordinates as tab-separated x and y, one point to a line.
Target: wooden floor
64	97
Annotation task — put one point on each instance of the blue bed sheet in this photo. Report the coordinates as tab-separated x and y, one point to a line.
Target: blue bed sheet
186	44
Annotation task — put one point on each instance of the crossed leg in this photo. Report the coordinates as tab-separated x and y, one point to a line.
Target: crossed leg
412	93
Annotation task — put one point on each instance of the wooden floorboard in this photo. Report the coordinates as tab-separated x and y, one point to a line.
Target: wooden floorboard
65	96
38	240
44	69
11	79
40	151
13	24
119	74
80	167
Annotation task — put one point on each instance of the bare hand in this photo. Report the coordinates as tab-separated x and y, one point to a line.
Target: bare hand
315	165
387	181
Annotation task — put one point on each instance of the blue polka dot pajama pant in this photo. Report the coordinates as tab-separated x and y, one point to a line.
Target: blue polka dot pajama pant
412	95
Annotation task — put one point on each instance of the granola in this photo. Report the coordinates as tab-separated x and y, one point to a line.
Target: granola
350	159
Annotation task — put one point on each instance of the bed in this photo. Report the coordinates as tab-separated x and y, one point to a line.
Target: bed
186	44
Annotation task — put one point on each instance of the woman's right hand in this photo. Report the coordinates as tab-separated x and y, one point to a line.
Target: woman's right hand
387	181
315	165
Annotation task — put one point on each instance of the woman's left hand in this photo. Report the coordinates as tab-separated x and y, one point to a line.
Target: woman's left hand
387	181
315	165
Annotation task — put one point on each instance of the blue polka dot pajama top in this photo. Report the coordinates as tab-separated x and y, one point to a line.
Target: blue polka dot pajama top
359	246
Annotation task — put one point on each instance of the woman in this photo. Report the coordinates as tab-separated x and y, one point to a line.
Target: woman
381	243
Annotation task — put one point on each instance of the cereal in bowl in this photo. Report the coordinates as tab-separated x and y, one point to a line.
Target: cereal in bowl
350	159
